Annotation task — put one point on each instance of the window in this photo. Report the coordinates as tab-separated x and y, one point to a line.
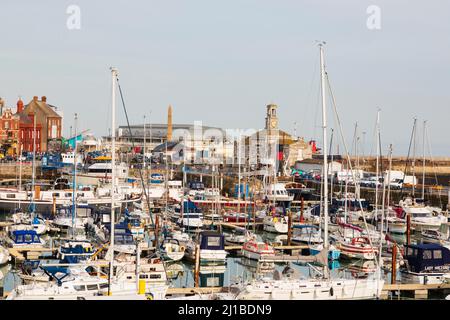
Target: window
155	276
20	238
427	254
437	254
79	288
68	194
103	285
28	238
10	196
213	241
92	287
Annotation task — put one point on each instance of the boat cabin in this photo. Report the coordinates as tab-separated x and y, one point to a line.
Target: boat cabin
427	258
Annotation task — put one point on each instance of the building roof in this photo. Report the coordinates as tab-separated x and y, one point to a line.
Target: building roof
47	109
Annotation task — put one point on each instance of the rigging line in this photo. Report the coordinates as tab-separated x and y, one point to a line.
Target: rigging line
349	163
308	98
374	138
141	175
407	158
433	164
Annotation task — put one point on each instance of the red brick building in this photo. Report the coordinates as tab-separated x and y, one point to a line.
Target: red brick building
48	124
9	132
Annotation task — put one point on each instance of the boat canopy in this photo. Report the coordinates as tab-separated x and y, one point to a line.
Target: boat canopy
25	237
211	240
430	257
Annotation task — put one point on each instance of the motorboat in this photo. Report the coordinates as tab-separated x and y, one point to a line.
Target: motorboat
426	264
257	250
238	236
276	224
171	250
357	248
212	248
305	233
422	217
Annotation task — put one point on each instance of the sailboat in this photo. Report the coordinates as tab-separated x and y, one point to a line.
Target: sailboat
285	287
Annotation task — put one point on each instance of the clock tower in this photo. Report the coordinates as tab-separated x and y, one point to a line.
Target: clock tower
271	117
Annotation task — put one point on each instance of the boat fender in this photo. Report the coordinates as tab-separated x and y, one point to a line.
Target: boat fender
331	291
150	296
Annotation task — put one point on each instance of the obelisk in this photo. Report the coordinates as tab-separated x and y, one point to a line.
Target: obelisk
169	123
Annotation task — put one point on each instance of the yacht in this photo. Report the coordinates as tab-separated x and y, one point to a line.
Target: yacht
276	224
422	217
276	192
287	287
257	250
307	234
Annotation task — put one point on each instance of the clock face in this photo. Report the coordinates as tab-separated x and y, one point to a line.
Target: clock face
273	124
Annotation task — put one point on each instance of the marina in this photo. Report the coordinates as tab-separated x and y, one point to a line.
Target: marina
156	182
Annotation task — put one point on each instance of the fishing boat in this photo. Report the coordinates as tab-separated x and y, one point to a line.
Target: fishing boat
357	248
171	250
276	224
426	264
257	250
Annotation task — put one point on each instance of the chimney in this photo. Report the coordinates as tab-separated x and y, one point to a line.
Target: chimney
44	99
35	98
19	105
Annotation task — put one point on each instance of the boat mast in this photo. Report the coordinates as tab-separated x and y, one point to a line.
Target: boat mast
33	175
239	176
145	136
325	151
423	161
74	182
113	175
377	163
413	159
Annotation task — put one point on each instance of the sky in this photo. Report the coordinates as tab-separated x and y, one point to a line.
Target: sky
222	62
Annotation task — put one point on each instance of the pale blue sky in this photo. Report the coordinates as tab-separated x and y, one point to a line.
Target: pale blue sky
222	61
